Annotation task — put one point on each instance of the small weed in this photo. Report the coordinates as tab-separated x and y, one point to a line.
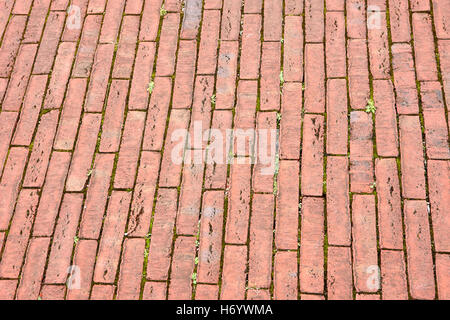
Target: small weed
281	78
373	185
194	278
213	99
370	108
162	11
278	116
146	253
76	239
150	87
196	260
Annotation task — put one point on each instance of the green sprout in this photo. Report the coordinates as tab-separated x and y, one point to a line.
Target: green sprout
162	11
370	108
150	87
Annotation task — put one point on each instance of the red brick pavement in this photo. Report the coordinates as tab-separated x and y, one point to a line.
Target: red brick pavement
93	205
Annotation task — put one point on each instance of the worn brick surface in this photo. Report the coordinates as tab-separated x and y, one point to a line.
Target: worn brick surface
224	149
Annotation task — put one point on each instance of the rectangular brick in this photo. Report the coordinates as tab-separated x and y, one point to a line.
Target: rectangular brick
314	21
112	235
207	54
358	73
393	275
180	284
389	204
206	292
155	291
10	182
51	194
11	43
365	256
285	276
261	238
420	5
162	235
337	118
294	7
250	6
76	14
418	249
335	45
130	276
356	19
233	275
126	49
211	226
184	81
412	159
442	271
311	246
314	78
29	114
339	273
424	49
293	49
150	20
87	46
378	45
165	65
134	7
273	18
338	201
96	196
52	292
399	16
7	123
84	152
441	18
111	21
84	258
286	231
36	21
444	57
231	17
251	47
102	292
290	123
144	194
245	117
226	74
191	19
312	156
8	287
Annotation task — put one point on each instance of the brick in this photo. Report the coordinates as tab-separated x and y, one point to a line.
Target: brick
162	234
311	246
111	241
111	21
356	19
52	292
102	292
139	95
191	19
158	112
84	258
293	49
129	150
51	194
22	7
231	16
338	201
358	74
418	249
251	47
36	21
42	147
33	269
59	4
88	43
365	257
70	115
63	239
150	20
393	275
180	285
441	18
335	5
226	74
290	123
76	14
378	45
339	273
126	49
207	54
190	199
337	119
285	276
155	291
19	77
98	83
173	5
420	5
261	234
7	123
438	184
96	196
11	43
233	275
184	81
314	78
389	204
442	270
165	65
286	230
84	151
412	160
385	118
335	45
49	43
361	152
312	156
399	20
9	185
314	21
4	18
211	225
245	118
30	111
294	7
18	235
273	14
250	6
206	292
444	56
258	294
134	7
7	289
426	68
312	297
130	276
144	193
238	205
173	152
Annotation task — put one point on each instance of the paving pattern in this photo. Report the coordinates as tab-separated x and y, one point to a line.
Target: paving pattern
95	95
